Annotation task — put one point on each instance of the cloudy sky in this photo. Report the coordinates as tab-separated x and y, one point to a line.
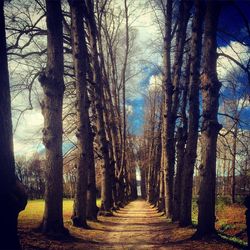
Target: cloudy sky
27	135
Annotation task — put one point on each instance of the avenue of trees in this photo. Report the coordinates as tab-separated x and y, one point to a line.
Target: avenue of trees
84	69
184	151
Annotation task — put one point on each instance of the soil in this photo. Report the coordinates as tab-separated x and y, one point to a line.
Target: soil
137	226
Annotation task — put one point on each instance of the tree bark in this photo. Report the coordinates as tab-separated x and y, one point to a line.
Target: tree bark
234	152
106	192
85	160
181	139
210	126
123	81
183	17
53	87
13	198
167	117
193	121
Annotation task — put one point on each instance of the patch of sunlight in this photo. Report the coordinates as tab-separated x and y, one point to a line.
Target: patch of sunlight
35	208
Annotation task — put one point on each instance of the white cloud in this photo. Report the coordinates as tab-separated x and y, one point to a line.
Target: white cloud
155	83
235	50
27	137
244	103
129	109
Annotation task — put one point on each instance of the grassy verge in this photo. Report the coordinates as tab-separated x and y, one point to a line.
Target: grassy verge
230	220
35	208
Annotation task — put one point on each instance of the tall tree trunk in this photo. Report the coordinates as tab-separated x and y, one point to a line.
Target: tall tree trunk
234	152
109	111
53	87
151	153
12	197
160	202
193	122
210	126
157	167
106	190
167	118
92	208
122	175
184	14
143	183
180	145
85	159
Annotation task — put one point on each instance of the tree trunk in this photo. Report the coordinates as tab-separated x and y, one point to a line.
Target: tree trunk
157	163
179	170
12	196
85	160
210	126
234	152
106	192
193	122
53	86
184	14
180	145
110	119
143	183
92	208
122	174
167	156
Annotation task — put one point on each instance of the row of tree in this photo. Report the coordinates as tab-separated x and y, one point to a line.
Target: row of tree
175	131
85	71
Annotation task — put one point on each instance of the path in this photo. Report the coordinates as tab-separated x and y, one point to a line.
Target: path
137	226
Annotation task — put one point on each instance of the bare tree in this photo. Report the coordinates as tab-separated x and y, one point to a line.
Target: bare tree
167	99
52	82
12	196
210	127
193	120
106	192
85	144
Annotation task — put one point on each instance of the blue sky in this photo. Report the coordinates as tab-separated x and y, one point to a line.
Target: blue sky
28	134
230	22
136	119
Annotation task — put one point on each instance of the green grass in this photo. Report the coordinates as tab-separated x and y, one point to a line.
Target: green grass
35	208
221	202
234	240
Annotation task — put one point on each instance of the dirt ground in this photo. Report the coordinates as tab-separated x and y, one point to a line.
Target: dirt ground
137	226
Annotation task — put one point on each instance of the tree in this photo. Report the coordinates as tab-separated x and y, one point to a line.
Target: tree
181	138
193	121
167	119
106	192
210	87
85	159
52	82
12	195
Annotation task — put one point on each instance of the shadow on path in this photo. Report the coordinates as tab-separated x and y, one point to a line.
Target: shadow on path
137	226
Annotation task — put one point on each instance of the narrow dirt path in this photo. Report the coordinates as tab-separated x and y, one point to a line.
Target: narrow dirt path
137	226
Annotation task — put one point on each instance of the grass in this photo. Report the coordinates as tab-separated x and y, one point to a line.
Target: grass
230	219
35	208
234	240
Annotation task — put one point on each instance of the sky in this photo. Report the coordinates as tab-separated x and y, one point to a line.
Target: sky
27	135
